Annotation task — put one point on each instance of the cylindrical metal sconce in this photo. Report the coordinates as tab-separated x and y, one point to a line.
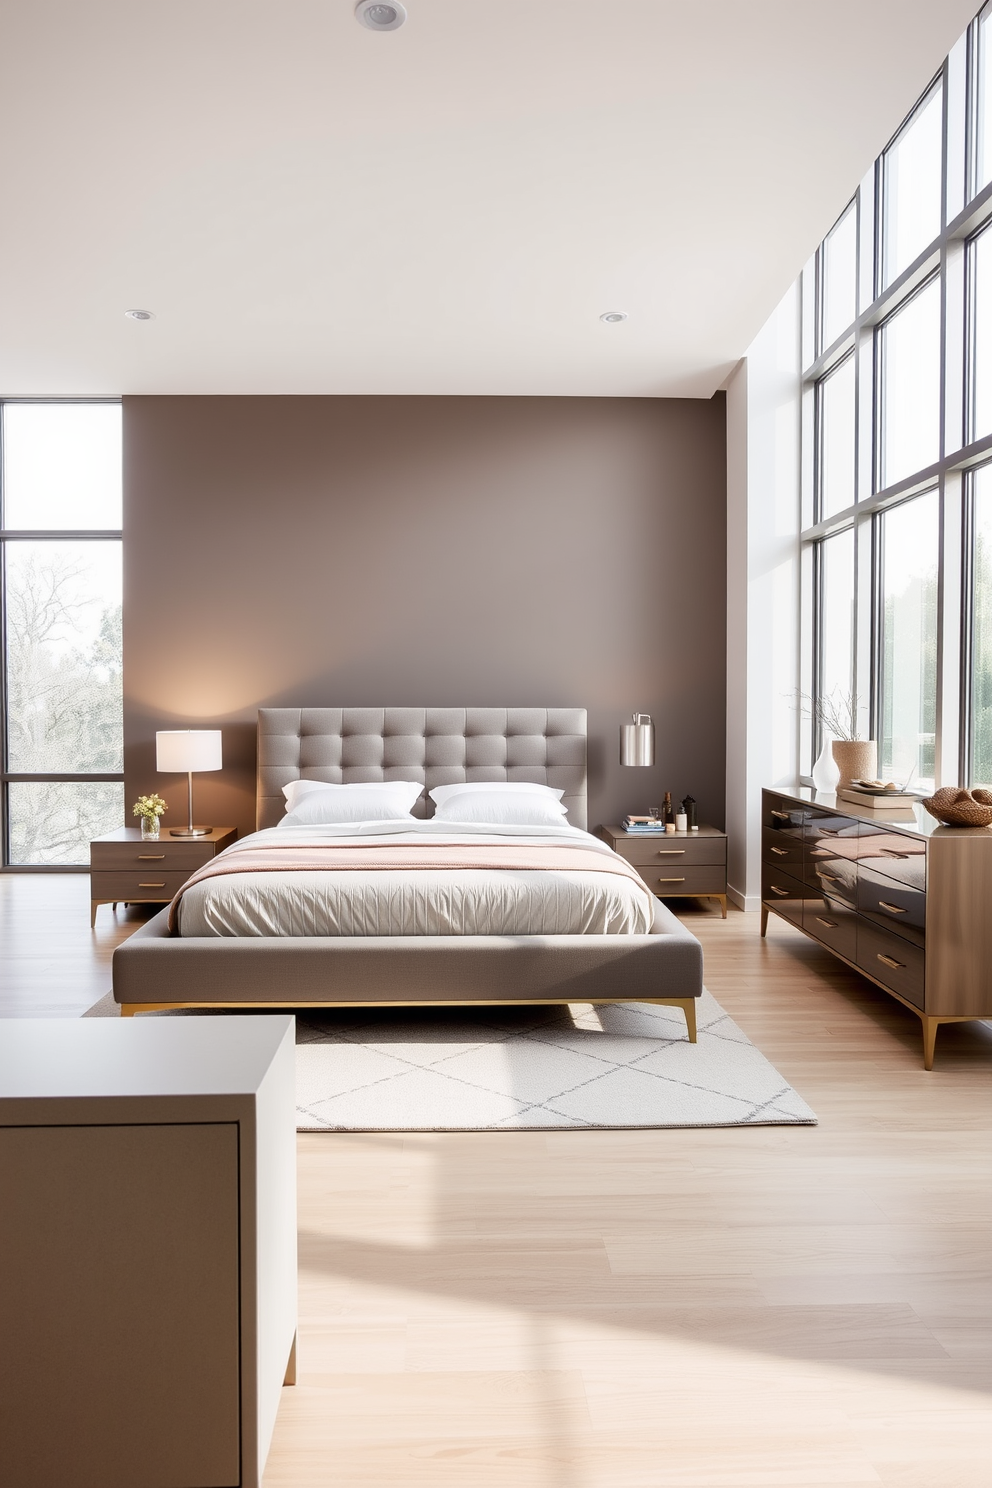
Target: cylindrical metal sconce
637	741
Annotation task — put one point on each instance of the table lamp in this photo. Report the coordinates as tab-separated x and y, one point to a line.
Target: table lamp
188	750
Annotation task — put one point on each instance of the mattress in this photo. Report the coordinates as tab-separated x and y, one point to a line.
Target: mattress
598	896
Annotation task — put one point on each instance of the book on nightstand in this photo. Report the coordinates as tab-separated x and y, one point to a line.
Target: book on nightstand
645	824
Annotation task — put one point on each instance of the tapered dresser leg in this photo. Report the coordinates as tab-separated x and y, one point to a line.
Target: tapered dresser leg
929	1040
764	918
93	905
291	1366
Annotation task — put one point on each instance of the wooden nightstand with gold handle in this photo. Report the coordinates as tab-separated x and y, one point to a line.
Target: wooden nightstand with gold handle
683	865
126	868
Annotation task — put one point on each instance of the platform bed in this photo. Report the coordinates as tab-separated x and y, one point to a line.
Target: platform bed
156	970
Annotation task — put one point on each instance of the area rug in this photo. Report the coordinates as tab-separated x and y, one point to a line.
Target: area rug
528	1068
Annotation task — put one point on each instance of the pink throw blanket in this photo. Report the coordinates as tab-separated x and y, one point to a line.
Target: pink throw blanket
502	856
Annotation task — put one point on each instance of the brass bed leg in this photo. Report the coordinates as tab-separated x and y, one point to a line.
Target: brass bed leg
689	1008
128	1009
291	1365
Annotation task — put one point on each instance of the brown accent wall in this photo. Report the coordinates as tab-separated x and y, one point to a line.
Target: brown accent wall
426	551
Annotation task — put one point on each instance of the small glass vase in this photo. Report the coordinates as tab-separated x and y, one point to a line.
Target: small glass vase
149	828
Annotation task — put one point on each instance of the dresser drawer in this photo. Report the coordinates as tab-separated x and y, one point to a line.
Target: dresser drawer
153	885
675	852
782	851
784	893
780	815
138	857
893	961
834	924
884	901
675	877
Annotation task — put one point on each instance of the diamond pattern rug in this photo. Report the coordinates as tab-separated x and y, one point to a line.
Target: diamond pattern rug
530	1068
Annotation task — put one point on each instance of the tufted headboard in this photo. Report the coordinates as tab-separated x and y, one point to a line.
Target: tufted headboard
440	746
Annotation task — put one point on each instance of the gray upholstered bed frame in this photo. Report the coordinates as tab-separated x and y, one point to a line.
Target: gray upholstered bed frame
440	746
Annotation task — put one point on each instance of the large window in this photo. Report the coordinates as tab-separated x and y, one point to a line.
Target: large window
898	390
836	429
910	387
60	521
839	277
911	179
909	539
980	274
981	647
836	641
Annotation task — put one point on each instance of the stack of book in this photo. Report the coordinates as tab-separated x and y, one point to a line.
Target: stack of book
645	824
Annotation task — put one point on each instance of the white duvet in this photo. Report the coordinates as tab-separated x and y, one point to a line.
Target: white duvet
421	901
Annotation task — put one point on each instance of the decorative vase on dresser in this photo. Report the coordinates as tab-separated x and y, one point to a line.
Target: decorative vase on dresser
901	899
856	759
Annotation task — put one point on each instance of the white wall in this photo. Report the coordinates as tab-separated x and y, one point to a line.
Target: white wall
763	584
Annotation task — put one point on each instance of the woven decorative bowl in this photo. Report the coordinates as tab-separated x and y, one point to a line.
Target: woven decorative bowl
961	808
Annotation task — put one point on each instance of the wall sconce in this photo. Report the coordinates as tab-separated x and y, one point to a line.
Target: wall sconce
637	741
188	750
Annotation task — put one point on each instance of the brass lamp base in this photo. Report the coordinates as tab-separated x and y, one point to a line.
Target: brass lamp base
190	831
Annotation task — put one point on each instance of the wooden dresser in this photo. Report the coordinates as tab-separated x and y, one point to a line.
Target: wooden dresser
902	899
676	865
126	868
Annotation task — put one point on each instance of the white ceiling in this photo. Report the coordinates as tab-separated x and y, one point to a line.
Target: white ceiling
309	207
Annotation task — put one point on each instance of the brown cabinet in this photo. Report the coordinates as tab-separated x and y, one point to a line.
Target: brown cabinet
904	901
126	868
676	865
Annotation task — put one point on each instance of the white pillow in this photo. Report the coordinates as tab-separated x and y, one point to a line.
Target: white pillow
442	793
313	802
503	808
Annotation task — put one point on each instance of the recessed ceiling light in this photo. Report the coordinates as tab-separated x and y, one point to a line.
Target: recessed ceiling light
380	15
612	317
139	315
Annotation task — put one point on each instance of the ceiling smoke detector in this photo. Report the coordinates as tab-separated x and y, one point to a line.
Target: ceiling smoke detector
380	15
613	317
139	315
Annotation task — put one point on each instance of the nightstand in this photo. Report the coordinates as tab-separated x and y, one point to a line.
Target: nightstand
676	865
126	868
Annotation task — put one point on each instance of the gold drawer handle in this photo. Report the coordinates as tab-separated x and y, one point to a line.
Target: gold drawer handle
890	852
832	877
830	924
150	857
671	852
776	890
782	815
151	886
890	961
780	852
671	880
892	908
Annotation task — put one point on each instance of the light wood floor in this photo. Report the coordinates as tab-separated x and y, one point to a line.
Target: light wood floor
773	1307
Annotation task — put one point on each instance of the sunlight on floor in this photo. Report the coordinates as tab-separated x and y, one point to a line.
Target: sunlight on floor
586	1017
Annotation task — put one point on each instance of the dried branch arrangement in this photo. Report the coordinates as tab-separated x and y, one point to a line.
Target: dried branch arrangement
836	714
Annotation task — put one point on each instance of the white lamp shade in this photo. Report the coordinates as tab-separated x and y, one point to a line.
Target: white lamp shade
188	749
